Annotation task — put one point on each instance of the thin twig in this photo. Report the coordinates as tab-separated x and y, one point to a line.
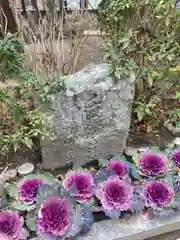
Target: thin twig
5	169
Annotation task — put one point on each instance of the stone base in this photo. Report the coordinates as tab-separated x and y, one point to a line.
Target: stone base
134	228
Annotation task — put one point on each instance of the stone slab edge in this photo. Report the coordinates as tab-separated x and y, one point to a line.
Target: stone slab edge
135	228
153	232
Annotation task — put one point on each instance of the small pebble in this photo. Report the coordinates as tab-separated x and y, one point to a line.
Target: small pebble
26	168
177	141
143	149
130	151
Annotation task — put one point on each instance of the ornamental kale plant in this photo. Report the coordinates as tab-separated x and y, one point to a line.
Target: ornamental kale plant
159	196
115	196
28	190
59	215
80	184
11	225
119	167
176	158
152	164
65	209
24	191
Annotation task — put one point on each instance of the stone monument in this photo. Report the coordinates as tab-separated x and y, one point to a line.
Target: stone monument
91	118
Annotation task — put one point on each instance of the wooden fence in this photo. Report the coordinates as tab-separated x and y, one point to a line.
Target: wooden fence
69	4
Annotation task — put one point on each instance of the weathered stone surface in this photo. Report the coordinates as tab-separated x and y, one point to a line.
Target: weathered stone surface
175	131
91	118
135	228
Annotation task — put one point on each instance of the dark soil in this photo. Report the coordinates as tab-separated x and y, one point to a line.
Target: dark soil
155	122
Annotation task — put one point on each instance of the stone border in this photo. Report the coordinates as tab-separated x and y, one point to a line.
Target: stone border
135	228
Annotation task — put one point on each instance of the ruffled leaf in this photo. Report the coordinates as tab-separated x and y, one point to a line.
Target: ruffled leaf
87	219
138	189
177	201
22	207
3	199
45	191
31	221
73	189
113	214
103	162
75	227
134	172
169	148
138	204
135	158
169	180
50	237
176	183
45	176
12	190
77	167
120	157
91	203
61	191
24	234
103	175
82	220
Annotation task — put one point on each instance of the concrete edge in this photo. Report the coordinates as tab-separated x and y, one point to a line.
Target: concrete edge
152	232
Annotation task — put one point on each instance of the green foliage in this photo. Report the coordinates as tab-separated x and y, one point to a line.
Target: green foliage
31	221
142	42
174	114
27	126
52	84
21	123
12	190
45	176
10	59
22	207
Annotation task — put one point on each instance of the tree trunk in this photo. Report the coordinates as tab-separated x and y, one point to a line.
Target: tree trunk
62	10
35	6
51	12
24	9
9	20
83	6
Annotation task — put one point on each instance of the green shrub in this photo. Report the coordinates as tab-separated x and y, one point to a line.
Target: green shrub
21	123
143	42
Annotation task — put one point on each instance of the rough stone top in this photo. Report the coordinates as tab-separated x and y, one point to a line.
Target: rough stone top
93	78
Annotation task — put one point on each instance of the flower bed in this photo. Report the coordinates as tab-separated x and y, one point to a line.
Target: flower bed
147	184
